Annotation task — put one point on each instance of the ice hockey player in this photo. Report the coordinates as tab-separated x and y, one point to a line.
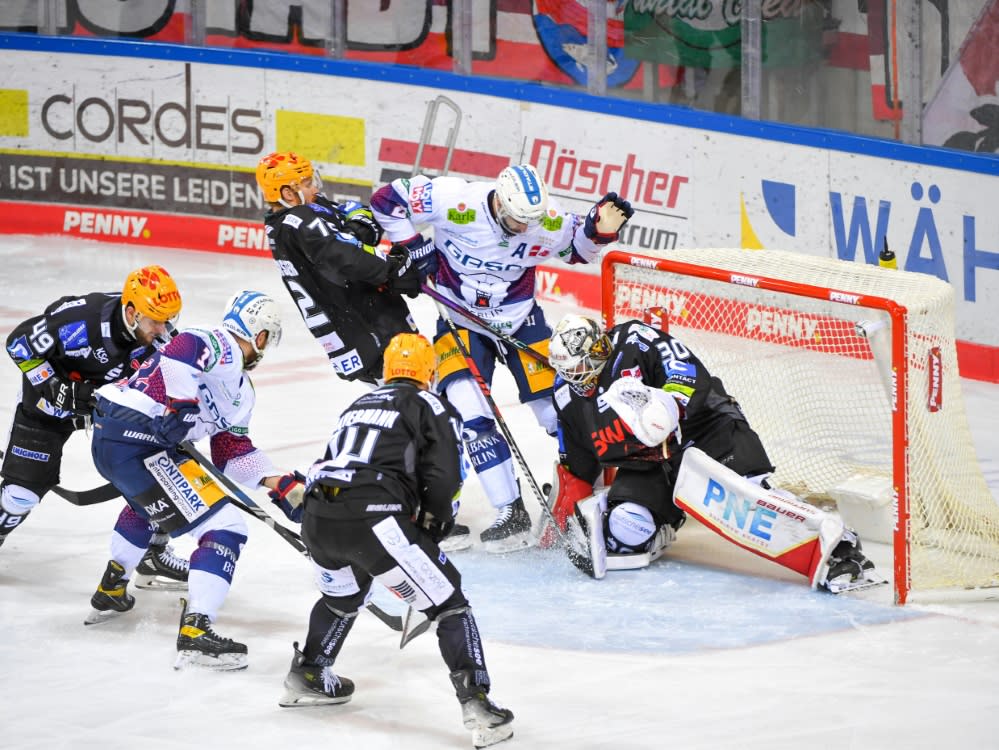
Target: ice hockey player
488	239
641	402
76	345
197	386
378	504
348	296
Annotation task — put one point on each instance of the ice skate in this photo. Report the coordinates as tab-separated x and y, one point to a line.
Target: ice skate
199	645
160	568
111	598
490	724
460	538
313	685
849	568
510	531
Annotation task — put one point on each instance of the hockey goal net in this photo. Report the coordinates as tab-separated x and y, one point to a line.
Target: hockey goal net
849	374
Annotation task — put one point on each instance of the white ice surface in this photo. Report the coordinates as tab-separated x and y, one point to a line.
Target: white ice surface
709	648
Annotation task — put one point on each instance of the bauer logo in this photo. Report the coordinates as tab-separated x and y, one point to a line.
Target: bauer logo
934	372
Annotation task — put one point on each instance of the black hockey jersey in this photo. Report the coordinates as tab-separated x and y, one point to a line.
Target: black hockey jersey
591	434
76	338
337	283
398	449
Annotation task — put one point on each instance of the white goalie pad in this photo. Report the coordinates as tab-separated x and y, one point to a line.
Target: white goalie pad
790	532
585	544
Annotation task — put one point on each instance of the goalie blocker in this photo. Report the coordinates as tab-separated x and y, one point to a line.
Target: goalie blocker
769	523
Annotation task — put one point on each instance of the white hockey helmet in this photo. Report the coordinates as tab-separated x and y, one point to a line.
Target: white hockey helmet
578	351
247	314
522	198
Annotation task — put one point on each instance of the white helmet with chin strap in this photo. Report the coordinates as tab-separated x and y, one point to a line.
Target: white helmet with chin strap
522	197
247	314
578	351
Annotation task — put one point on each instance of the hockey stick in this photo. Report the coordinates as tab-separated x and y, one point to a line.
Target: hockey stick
410	631
484	388
86	497
242	501
505	338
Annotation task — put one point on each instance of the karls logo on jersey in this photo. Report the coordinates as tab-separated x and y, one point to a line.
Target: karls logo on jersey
106	224
421	199
462	214
551	222
632	372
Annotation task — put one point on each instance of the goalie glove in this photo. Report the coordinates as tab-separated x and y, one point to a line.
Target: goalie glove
289	495
651	414
606	218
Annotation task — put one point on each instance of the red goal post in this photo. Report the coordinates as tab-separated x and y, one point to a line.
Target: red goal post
849	373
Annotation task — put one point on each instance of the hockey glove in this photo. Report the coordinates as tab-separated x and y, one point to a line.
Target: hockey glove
75	396
437	528
424	255
403	275
289	495
361	223
606	218
180	416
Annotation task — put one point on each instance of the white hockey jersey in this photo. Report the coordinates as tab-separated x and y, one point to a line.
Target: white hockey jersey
204	364
480	268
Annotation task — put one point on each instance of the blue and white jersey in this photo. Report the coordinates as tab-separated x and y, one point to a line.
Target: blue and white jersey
480	268
205	364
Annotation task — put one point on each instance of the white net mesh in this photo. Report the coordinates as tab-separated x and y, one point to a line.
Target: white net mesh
815	377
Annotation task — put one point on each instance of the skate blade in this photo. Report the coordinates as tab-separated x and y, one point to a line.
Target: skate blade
513	543
488	737
99	616
868	582
456	544
295	699
221	663
159	584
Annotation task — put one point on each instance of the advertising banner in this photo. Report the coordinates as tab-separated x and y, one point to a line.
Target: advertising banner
159	140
